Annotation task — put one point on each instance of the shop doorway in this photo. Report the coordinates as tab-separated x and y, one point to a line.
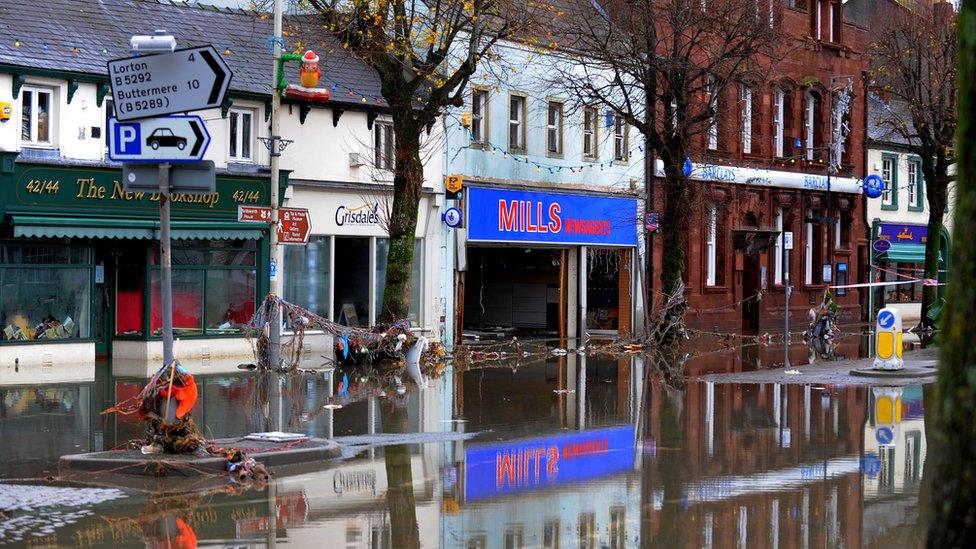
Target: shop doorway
608	298
105	258
751	284
515	290
120	280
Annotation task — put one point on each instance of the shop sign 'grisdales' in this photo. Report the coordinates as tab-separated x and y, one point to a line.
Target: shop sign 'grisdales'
185	80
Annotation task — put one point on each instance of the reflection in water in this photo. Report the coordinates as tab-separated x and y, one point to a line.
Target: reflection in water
572	451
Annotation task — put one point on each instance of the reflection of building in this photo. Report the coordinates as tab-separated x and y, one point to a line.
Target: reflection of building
894	442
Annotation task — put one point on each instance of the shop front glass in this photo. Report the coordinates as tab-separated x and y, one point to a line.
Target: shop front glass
306	275
214	287
351	304
603	289
416	282
45	291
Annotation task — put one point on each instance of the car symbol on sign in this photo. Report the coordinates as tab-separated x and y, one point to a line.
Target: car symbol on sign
164	137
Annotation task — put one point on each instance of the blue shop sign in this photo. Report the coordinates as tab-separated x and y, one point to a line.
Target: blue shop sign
509	467
902	233
503	215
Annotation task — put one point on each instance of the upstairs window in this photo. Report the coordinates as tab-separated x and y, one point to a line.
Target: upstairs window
812	116
779	123
554	128
713	106
916	198
889	172
479	116
817	15
748	121
621	140
241	134
836	21
383	145
35	118
516	123
591	148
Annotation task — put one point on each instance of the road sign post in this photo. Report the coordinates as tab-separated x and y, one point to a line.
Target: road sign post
185	80
294	224
157	85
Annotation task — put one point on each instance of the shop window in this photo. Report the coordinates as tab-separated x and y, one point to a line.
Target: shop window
814	252
516	123
479	116
416	278
621	140
214	287
383	157
307	275
36	116
554	128
109	105
241	135
45	292
603	288
351	279
715	247
591	143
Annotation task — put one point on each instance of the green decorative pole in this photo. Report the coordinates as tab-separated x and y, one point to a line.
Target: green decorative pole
953	522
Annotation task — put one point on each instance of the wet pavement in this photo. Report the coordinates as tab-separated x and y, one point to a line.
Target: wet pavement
570	451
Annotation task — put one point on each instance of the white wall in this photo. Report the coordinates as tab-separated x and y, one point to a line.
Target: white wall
903	214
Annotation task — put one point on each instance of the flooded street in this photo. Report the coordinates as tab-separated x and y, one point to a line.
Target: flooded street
564	452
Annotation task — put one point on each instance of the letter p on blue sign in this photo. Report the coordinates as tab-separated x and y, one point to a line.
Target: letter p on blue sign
127	139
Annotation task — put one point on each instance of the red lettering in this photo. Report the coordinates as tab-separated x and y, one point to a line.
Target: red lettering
539	452
507	215
507	474
555	223
552	463
542	227
528	218
522	215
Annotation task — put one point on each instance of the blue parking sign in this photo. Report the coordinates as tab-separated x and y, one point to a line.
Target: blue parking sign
127	139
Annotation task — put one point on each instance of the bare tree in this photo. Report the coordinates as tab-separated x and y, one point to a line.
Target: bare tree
914	63
424	54
663	66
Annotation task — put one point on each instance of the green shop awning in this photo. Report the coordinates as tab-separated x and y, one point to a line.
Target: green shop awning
907	253
137	229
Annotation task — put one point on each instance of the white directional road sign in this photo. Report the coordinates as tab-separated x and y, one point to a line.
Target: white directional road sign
176	138
155	85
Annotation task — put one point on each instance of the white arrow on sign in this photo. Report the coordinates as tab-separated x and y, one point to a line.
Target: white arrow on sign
178	138
186	80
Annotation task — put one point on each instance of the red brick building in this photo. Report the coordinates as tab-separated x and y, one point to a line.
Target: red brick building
765	170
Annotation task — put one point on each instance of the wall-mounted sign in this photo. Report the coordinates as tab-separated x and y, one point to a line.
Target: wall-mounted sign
452	218
453	183
6	111
881	246
504	215
788	240
901	233
523	465
767	178
294	225
364	214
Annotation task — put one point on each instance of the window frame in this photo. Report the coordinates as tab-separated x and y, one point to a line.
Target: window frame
810	123
778	270
34	90
594	133
711	247
559	129
385	137
891	186
746	97
918	185
237	140
779	122
520	123
480	121
621	140
712	97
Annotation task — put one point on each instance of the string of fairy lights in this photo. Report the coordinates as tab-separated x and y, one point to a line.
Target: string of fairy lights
485	145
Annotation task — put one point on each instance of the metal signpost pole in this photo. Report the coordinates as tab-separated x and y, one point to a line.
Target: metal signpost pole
165	264
787	290
274	347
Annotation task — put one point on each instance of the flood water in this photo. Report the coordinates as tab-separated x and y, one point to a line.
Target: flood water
571	451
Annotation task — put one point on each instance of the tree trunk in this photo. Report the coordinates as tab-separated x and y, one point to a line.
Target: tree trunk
953	521
399	493
408	180
936	193
674	227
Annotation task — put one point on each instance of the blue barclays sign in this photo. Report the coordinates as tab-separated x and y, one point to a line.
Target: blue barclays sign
717	173
504	215
814	182
509	467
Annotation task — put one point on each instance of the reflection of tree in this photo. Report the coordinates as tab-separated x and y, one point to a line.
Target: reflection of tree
672	469
399	494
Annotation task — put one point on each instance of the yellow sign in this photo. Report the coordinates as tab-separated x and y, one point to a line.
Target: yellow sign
453	183
5	110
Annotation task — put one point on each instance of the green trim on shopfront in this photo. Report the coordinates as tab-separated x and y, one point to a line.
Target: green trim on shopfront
906	253
141	229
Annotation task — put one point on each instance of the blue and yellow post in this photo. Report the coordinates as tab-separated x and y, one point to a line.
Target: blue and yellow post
888	344
887	415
